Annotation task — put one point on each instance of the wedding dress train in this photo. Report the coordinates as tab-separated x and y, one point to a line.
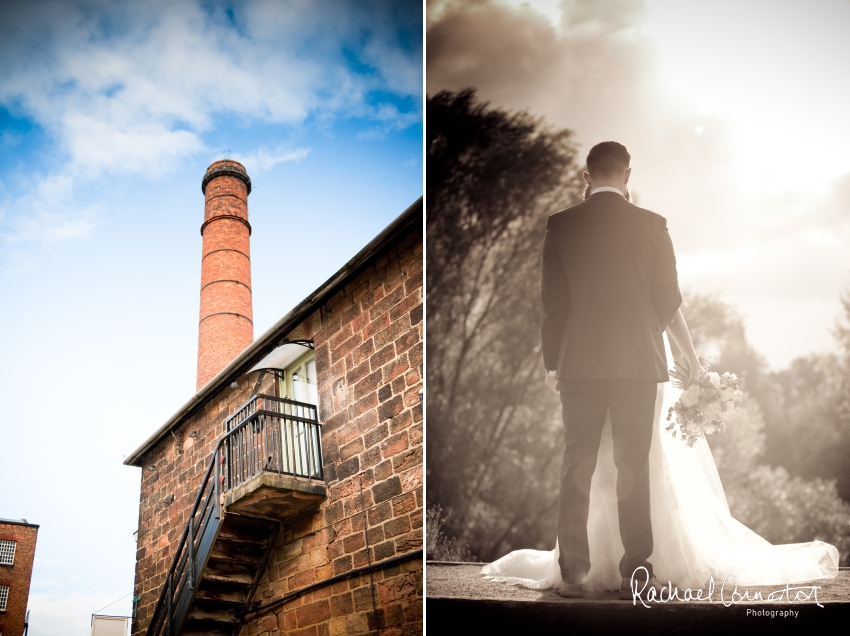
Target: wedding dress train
695	536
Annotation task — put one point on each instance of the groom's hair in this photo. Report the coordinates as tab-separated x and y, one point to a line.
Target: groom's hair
588	190
608	159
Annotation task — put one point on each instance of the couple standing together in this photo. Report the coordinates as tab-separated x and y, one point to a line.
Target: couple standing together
629	493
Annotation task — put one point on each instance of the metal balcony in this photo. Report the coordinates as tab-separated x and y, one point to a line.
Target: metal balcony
272	445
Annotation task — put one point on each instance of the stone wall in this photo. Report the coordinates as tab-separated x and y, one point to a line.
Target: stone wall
171	476
17	576
368	341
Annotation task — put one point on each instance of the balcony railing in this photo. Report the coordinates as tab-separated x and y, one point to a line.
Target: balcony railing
266	434
272	434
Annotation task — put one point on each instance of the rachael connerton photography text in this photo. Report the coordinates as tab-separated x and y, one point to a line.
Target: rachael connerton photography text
787	594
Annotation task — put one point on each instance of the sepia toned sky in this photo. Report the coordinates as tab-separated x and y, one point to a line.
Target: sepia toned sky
734	114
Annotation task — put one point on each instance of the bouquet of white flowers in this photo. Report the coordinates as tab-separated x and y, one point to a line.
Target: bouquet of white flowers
705	404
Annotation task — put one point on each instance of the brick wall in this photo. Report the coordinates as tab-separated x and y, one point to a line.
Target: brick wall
225	326
368	340
171	476
17	577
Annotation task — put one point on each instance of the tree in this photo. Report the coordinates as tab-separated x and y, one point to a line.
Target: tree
785	503
494	440
494	430
842	336
718	333
805	430
767	499
805	407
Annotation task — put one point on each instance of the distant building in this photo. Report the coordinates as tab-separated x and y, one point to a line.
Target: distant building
104	625
17	551
286	495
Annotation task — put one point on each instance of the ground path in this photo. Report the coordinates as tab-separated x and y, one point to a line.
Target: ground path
460	601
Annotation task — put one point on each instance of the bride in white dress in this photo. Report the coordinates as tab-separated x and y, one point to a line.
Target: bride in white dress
695	536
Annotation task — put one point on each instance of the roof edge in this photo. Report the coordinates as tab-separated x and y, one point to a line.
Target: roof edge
18	522
261	346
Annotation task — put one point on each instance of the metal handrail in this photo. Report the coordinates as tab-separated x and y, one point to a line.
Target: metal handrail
260	436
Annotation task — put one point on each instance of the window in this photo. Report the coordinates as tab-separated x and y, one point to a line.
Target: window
302	454
7	552
4	596
299	380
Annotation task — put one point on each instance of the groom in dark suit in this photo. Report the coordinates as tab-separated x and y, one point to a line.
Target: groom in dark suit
609	290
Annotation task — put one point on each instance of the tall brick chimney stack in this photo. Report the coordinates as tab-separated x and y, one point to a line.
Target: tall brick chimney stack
226	324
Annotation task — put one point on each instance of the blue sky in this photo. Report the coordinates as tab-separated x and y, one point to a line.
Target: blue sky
109	115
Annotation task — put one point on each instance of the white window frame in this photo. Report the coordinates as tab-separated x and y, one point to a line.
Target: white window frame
297	432
287	382
4	597
7	551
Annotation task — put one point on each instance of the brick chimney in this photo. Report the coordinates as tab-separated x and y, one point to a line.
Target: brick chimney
226	324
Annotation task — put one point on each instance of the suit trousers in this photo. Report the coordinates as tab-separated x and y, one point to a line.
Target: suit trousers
585	404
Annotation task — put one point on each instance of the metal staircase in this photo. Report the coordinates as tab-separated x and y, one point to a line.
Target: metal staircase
227	582
265	472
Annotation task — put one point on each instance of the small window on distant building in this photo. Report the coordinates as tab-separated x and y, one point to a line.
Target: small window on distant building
7	552
4	596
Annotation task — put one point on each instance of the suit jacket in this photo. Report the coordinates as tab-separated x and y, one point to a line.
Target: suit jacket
610	289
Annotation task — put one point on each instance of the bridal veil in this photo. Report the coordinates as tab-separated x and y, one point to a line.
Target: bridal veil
695	536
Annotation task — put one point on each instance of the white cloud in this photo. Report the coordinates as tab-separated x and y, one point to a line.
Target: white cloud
9	139
53	228
120	87
266	159
391	119
46	214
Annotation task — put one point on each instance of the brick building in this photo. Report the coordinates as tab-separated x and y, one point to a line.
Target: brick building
285	497
17	551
